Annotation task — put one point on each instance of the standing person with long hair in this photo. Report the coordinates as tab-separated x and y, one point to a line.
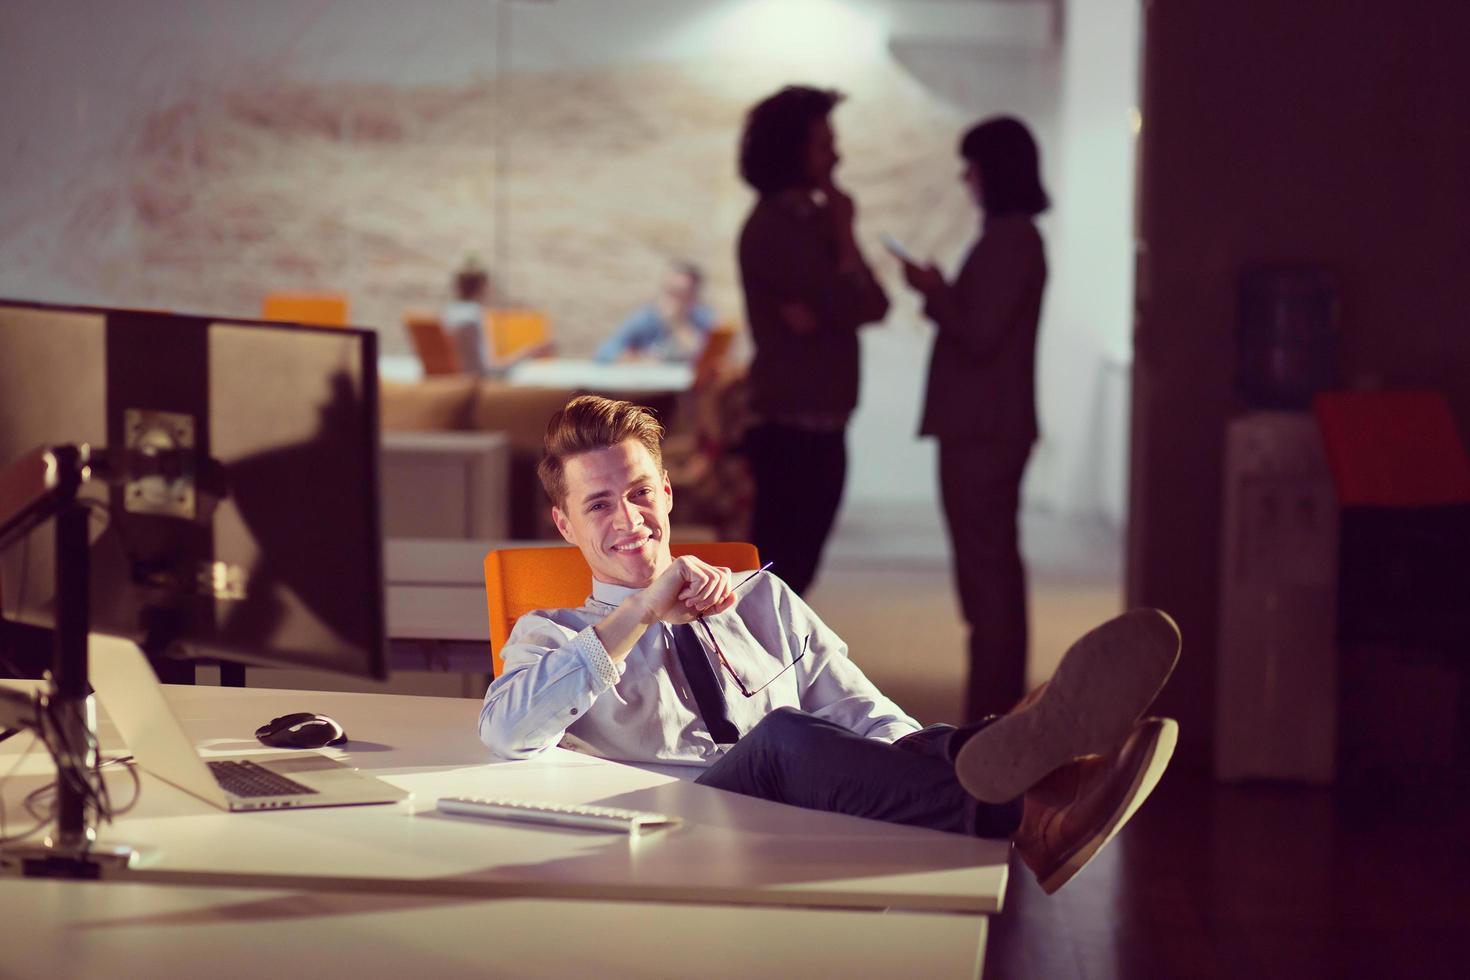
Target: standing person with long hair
807	290
981	399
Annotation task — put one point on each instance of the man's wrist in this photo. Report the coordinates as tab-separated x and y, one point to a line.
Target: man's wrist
642	609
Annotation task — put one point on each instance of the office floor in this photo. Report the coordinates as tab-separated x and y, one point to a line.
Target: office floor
1208	881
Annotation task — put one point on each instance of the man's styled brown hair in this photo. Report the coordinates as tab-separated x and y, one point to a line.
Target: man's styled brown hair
590	422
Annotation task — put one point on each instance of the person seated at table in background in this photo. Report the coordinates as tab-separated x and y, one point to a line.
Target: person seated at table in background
670	661
464	320
671	327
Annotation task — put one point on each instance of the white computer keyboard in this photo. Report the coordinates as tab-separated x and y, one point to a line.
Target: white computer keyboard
558	814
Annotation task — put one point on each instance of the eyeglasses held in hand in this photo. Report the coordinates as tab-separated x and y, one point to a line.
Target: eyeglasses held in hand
709	635
745	691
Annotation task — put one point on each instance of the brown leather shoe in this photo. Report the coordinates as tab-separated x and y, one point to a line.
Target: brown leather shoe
1071	814
1103	685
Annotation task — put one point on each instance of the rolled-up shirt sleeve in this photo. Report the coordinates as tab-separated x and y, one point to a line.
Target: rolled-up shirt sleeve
553	674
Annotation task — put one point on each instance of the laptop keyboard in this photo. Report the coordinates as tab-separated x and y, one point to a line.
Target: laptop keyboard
248	779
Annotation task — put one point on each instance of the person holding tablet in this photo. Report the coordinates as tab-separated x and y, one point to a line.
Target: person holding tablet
981	398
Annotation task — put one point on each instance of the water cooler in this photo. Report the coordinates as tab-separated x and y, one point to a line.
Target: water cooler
1276	683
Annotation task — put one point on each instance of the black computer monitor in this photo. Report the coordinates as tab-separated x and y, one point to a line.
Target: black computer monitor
235	511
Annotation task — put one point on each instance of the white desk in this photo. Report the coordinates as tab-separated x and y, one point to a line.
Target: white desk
731	850
57	929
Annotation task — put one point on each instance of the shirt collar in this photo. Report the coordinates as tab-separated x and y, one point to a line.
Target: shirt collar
609	594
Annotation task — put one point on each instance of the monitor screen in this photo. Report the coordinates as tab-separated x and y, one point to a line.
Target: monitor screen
234	512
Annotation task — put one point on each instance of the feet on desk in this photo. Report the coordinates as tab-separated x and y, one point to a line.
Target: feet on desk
1071	814
1102	686
1075	750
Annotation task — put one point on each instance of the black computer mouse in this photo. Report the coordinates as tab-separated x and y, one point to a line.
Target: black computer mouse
301	730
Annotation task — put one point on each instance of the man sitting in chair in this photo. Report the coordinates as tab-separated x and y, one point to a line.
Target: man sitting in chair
677	661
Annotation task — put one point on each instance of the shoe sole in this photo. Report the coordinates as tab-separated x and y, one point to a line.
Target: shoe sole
1101	688
1163	735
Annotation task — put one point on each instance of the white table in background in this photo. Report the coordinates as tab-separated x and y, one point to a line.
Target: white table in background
562	372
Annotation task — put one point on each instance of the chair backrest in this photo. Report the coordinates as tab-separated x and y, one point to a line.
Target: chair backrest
509	330
316	309
433	344
518	580
716	352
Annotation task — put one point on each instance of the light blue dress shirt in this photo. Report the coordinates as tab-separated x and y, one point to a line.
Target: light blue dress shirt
558	680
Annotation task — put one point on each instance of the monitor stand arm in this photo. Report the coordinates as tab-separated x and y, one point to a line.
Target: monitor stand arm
42	486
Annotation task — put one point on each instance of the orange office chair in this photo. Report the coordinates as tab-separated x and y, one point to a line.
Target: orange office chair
315	309
518	580
432	343
511	330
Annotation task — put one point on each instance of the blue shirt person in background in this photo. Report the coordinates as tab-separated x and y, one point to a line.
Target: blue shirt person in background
672	327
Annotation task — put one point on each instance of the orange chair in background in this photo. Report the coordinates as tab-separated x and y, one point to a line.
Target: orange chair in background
715	355
314	309
512	330
432	343
518	580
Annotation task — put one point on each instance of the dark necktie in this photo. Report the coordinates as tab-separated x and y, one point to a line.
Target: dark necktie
704	684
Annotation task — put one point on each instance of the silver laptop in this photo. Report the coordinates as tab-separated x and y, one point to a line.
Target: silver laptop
130	693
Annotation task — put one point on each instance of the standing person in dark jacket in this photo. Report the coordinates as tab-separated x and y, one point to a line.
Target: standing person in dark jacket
807	290
981	401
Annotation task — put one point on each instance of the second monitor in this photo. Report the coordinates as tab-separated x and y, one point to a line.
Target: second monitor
236	505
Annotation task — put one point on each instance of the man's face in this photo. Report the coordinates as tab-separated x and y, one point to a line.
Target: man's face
617	512
821	153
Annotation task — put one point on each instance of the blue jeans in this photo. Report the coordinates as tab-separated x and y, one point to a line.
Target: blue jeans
797	758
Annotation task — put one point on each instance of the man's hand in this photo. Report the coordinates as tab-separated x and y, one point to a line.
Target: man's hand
688	589
842	213
840	206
